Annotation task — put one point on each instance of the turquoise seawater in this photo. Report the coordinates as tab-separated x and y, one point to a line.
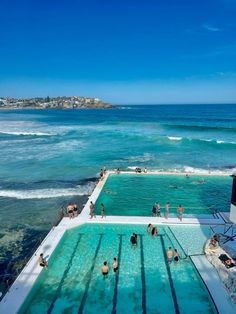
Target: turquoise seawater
134	195
51	157
144	283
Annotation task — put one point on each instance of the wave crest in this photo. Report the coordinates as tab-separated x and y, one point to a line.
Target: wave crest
22	133
48	193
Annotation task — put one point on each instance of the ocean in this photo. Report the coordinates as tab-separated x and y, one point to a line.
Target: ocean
51	157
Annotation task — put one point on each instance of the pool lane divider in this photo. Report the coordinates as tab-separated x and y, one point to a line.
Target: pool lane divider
114	301
186	255
144	303
85	295
170	277
64	275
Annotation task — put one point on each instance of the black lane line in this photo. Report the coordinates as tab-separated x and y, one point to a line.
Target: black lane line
64	275
170	278
114	302
178	242
85	295
143	276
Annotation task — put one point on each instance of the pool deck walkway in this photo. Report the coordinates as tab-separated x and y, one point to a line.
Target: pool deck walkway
18	292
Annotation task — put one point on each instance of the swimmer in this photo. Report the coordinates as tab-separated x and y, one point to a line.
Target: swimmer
176	255
104	269
134	240
154	231
149	228
115	265
169	255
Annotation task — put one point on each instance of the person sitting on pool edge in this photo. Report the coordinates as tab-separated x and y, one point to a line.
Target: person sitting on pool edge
134	240
105	269
42	261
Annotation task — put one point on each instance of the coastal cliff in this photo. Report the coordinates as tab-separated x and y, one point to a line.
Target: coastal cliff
64	102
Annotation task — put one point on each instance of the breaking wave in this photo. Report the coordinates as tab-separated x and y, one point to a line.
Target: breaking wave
26	133
174	138
196	140
48	193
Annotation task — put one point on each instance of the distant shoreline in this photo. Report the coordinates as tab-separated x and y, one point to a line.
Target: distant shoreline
64	102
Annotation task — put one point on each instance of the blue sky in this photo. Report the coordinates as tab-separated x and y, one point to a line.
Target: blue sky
120	51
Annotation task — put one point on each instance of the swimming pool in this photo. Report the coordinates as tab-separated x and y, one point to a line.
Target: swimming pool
145	282
134	195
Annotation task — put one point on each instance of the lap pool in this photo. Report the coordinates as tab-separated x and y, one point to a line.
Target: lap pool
134	195
144	283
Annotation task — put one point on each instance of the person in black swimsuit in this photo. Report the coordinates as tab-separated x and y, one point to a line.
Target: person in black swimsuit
134	239
105	269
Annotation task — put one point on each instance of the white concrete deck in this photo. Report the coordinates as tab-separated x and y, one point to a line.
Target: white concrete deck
18	292
214	285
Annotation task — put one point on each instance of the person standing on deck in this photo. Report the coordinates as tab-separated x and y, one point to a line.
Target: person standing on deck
158	207
167	206
91	210
180	210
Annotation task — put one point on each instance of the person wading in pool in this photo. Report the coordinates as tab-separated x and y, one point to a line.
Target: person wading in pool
149	228
176	255
134	240
115	265
154	231
169	255
104	269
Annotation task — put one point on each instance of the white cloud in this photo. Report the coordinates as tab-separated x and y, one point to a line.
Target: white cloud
211	28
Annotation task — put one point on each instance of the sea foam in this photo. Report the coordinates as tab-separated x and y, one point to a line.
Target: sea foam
23	133
48	193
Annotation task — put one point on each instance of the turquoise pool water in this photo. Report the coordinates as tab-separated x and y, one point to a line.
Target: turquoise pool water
134	195
145	282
